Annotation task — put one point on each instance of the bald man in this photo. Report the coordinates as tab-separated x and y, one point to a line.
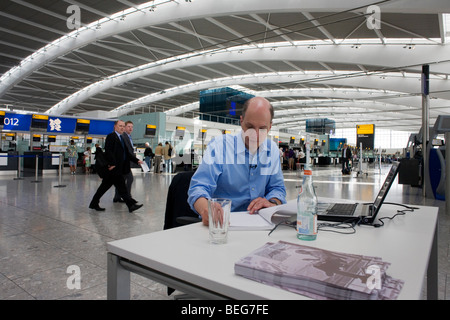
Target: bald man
243	167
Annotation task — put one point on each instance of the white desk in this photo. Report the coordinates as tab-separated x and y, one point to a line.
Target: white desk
183	259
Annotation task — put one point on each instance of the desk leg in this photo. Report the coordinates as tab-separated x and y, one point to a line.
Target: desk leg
118	279
432	272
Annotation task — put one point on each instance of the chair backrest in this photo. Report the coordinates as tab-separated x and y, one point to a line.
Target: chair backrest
177	205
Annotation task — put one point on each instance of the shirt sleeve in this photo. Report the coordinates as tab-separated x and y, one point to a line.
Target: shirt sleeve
204	181
275	188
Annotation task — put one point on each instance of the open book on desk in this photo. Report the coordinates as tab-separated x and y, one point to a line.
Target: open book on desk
264	219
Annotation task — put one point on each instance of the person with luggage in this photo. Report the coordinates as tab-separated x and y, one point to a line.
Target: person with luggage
346	156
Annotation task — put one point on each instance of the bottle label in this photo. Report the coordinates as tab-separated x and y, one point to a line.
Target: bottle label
307	225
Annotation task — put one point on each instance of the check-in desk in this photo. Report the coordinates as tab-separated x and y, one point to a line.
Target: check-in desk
46	164
410	172
324	161
9	162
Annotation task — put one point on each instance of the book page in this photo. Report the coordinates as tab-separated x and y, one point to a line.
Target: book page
242	220
264	219
276	214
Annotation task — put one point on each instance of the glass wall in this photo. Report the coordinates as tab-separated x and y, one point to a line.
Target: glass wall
384	138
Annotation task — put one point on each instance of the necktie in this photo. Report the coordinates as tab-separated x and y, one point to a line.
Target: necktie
131	141
123	146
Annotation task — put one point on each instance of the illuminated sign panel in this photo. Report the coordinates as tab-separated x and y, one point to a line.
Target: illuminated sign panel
364	129
17	122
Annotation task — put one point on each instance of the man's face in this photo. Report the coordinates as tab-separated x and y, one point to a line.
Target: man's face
129	128
255	125
119	127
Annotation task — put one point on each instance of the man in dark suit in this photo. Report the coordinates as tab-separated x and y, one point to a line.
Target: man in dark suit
128	176
118	158
346	156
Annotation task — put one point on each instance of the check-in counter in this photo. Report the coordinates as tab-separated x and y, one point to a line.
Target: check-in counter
324	161
9	162
46	162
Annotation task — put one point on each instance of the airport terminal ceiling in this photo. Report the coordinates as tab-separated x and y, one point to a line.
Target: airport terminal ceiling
351	61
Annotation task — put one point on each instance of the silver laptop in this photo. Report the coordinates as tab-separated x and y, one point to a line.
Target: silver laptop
364	213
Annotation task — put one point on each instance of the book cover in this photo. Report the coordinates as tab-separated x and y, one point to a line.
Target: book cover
319	273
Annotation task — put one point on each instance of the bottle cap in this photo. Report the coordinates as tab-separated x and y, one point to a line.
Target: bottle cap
307	172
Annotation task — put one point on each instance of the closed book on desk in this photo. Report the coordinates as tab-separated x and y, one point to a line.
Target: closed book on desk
318	273
264	219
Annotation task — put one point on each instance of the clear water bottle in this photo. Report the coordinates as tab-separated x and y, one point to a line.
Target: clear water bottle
307	209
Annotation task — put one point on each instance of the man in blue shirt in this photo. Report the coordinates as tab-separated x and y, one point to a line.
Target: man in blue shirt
244	167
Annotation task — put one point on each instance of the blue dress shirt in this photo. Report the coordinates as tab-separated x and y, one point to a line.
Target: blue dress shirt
229	170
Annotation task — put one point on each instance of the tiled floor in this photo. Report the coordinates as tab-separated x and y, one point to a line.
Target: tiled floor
44	229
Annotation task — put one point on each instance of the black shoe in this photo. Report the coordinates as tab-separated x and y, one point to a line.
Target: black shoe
134	201
118	200
96	207
134	207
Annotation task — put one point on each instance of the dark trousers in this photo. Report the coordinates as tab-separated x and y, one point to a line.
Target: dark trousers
119	182
345	163
128	182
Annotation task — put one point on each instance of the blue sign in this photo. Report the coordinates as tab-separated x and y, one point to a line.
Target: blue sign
17	122
61	125
101	127
56	125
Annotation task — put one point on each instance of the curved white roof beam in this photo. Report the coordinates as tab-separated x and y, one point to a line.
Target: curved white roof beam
389	97
169	11
182	109
394	82
377	55
333	108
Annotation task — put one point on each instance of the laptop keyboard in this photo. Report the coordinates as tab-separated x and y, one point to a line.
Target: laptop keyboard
343	209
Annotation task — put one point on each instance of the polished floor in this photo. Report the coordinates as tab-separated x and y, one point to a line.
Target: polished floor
45	229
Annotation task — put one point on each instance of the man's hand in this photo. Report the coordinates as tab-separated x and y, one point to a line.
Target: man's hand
217	214
111	168
201	206
259	203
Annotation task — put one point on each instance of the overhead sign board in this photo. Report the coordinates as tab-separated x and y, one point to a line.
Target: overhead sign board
17	122
61	125
365	129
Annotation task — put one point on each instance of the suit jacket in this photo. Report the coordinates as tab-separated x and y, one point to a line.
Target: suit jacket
348	153
117	156
127	141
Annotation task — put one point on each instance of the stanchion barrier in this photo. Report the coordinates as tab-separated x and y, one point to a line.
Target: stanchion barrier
18	170
18	165
37	165
60	185
36	170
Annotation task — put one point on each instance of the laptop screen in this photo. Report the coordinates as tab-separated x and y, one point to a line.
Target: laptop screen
385	187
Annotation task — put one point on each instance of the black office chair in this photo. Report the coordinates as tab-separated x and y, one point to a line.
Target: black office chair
178	211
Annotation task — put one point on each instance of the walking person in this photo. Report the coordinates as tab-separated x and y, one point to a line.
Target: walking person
72	154
87	160
117	157
167	153
158	157
291	159
148	155
346	156
127	174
